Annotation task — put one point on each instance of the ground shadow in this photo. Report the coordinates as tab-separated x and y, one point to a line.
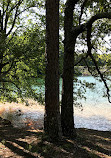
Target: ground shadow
34	144
95	141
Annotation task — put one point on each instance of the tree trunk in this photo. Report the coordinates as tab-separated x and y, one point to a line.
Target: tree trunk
67	118
52	123
2	43
67	114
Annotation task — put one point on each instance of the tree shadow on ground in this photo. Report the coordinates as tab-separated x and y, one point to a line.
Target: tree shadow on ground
33	144
96	141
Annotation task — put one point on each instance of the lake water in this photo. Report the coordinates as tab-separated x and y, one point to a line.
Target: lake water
96	113
95	96
96	110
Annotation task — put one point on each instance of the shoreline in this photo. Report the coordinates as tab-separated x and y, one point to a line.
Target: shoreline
89	117
83	71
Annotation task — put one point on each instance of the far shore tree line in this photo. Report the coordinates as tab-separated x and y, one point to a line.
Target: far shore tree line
24	56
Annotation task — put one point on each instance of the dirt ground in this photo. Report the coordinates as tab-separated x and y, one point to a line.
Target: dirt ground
31	142
25	143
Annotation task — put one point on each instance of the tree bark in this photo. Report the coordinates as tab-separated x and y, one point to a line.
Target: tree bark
67	113
52	123
67	119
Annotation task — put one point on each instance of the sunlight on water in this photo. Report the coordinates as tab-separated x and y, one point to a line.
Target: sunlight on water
98	118
96	113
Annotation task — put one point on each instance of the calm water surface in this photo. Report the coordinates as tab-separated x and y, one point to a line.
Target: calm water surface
95	97
96	113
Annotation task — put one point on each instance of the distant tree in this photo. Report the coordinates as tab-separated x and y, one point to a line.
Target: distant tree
52	124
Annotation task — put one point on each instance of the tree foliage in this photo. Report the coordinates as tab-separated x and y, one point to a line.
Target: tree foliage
21	50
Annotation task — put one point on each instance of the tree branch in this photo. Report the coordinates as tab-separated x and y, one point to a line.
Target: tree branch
17	5
99	16
89	69
82	9
10	90
6	21
83	27
5	72
82	58
9	81
89	45
13	22
68	20
4	11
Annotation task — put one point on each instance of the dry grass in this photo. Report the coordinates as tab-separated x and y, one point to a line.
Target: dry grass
15	113
32	106
2	110
10	113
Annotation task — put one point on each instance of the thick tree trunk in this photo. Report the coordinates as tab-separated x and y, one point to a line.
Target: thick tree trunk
52	123
67	119
67	114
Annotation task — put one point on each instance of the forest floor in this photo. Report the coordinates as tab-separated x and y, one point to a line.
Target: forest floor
25	143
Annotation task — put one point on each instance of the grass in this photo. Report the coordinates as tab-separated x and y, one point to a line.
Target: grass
10	114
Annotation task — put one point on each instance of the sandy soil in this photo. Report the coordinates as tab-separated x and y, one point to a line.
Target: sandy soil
21	115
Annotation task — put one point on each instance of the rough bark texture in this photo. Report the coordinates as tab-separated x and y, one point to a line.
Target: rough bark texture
67	119
52	123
